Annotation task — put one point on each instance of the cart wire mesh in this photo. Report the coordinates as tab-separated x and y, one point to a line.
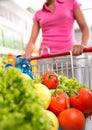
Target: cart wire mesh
65	63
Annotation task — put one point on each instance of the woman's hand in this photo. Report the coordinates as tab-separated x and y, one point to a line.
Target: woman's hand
78	49
27	55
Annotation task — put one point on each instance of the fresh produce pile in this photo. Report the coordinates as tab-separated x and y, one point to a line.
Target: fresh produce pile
43	103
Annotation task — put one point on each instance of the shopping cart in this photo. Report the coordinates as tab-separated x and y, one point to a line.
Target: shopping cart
79	67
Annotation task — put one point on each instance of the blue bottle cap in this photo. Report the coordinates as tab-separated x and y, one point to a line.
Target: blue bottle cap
8	65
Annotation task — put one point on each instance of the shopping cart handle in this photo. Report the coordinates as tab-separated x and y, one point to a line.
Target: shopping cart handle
88	49
49	55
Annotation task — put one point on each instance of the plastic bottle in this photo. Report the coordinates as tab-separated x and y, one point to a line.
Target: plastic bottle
24	66
11	59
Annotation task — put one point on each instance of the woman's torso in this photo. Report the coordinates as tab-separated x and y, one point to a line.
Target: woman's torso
57	26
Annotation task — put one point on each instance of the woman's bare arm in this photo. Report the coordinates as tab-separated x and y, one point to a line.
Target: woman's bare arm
32	40
78	48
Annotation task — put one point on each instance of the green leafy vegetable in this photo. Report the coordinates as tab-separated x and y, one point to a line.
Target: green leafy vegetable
20	106
69	86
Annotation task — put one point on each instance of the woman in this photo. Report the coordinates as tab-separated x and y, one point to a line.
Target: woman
56	19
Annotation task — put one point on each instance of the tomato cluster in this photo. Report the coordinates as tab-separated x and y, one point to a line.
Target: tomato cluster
71	109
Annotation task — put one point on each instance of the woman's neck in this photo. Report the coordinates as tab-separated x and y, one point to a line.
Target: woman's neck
49	2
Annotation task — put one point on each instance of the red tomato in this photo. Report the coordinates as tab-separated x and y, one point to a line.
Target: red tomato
71	119
83	101
50	79
59	103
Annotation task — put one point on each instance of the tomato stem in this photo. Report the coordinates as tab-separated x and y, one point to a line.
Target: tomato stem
55	93
50	76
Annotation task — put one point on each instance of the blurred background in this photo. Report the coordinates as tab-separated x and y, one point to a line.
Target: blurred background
16	22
